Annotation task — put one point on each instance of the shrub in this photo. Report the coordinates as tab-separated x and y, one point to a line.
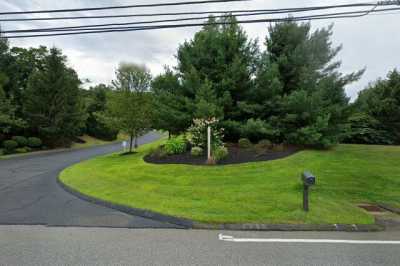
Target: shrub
34	142
278	147
22	141
175	146
365	129
10	146
264	144
220	153
197	151
233	130
159	152
101	131
22	150
198	133
244	143
257	129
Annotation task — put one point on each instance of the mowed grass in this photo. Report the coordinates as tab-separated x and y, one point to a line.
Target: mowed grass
91	141
266	192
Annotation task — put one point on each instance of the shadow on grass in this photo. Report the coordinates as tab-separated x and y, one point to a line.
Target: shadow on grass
128	153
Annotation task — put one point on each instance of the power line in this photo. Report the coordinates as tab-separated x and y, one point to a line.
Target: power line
111	26
118	7
142	28
132	23
272	11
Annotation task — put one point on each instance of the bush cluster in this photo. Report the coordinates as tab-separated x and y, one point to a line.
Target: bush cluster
220	153
23	150
264	144
197	151
244	143
198	133
175	146
22	141
10	146
20	144
34	143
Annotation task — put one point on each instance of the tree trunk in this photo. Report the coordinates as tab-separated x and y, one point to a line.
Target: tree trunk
130	144
136	142
169	134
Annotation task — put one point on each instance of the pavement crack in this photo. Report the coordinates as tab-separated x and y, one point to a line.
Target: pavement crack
24	206
4	188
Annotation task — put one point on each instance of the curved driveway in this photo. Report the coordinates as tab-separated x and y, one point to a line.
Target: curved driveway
29	193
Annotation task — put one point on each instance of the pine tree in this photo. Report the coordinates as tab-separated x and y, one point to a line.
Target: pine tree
298	87
52	102
170	104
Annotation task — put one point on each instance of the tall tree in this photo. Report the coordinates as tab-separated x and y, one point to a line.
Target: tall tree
299	90
52	101
8	119
96	104
171	112
24	62
381	101
129	107
222	57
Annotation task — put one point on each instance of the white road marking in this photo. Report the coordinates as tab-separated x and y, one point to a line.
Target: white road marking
310	241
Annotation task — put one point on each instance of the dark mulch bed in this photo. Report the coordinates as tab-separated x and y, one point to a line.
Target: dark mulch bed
236	156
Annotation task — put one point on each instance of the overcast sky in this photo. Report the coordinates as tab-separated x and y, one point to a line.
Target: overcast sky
372	42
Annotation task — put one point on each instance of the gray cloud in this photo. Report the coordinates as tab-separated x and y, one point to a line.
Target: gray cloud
370	42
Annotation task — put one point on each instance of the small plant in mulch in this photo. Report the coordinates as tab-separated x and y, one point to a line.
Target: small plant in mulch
175	146
197	133
230	153
197	151
278	147
263	146
220	153
244	143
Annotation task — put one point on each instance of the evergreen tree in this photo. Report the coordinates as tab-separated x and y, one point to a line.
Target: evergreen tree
52	102
381	101
223	57
299	90
24	62
8	119
96	104
171	112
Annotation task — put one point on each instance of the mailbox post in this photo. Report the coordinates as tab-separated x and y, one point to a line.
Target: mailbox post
308	180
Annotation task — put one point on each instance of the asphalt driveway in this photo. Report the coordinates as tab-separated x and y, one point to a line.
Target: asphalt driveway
30	195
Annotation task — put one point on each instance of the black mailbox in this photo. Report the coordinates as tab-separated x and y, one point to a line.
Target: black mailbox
308	179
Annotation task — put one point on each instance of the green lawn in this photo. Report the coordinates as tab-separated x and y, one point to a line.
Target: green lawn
267	192
91	141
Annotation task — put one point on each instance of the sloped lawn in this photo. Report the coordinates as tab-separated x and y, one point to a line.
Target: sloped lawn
262	192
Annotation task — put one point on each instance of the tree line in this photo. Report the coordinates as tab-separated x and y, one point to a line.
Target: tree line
290	92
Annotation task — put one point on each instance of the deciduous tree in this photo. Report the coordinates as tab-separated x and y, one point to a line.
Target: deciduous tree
129	106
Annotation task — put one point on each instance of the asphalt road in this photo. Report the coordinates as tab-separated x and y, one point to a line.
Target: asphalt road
31	198
30	195
38	245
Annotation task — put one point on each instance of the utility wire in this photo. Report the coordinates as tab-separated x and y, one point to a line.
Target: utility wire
132	23
271	11
118	7
142	28
111	26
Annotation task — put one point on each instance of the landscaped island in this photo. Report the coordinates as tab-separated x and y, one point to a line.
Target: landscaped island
258	192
